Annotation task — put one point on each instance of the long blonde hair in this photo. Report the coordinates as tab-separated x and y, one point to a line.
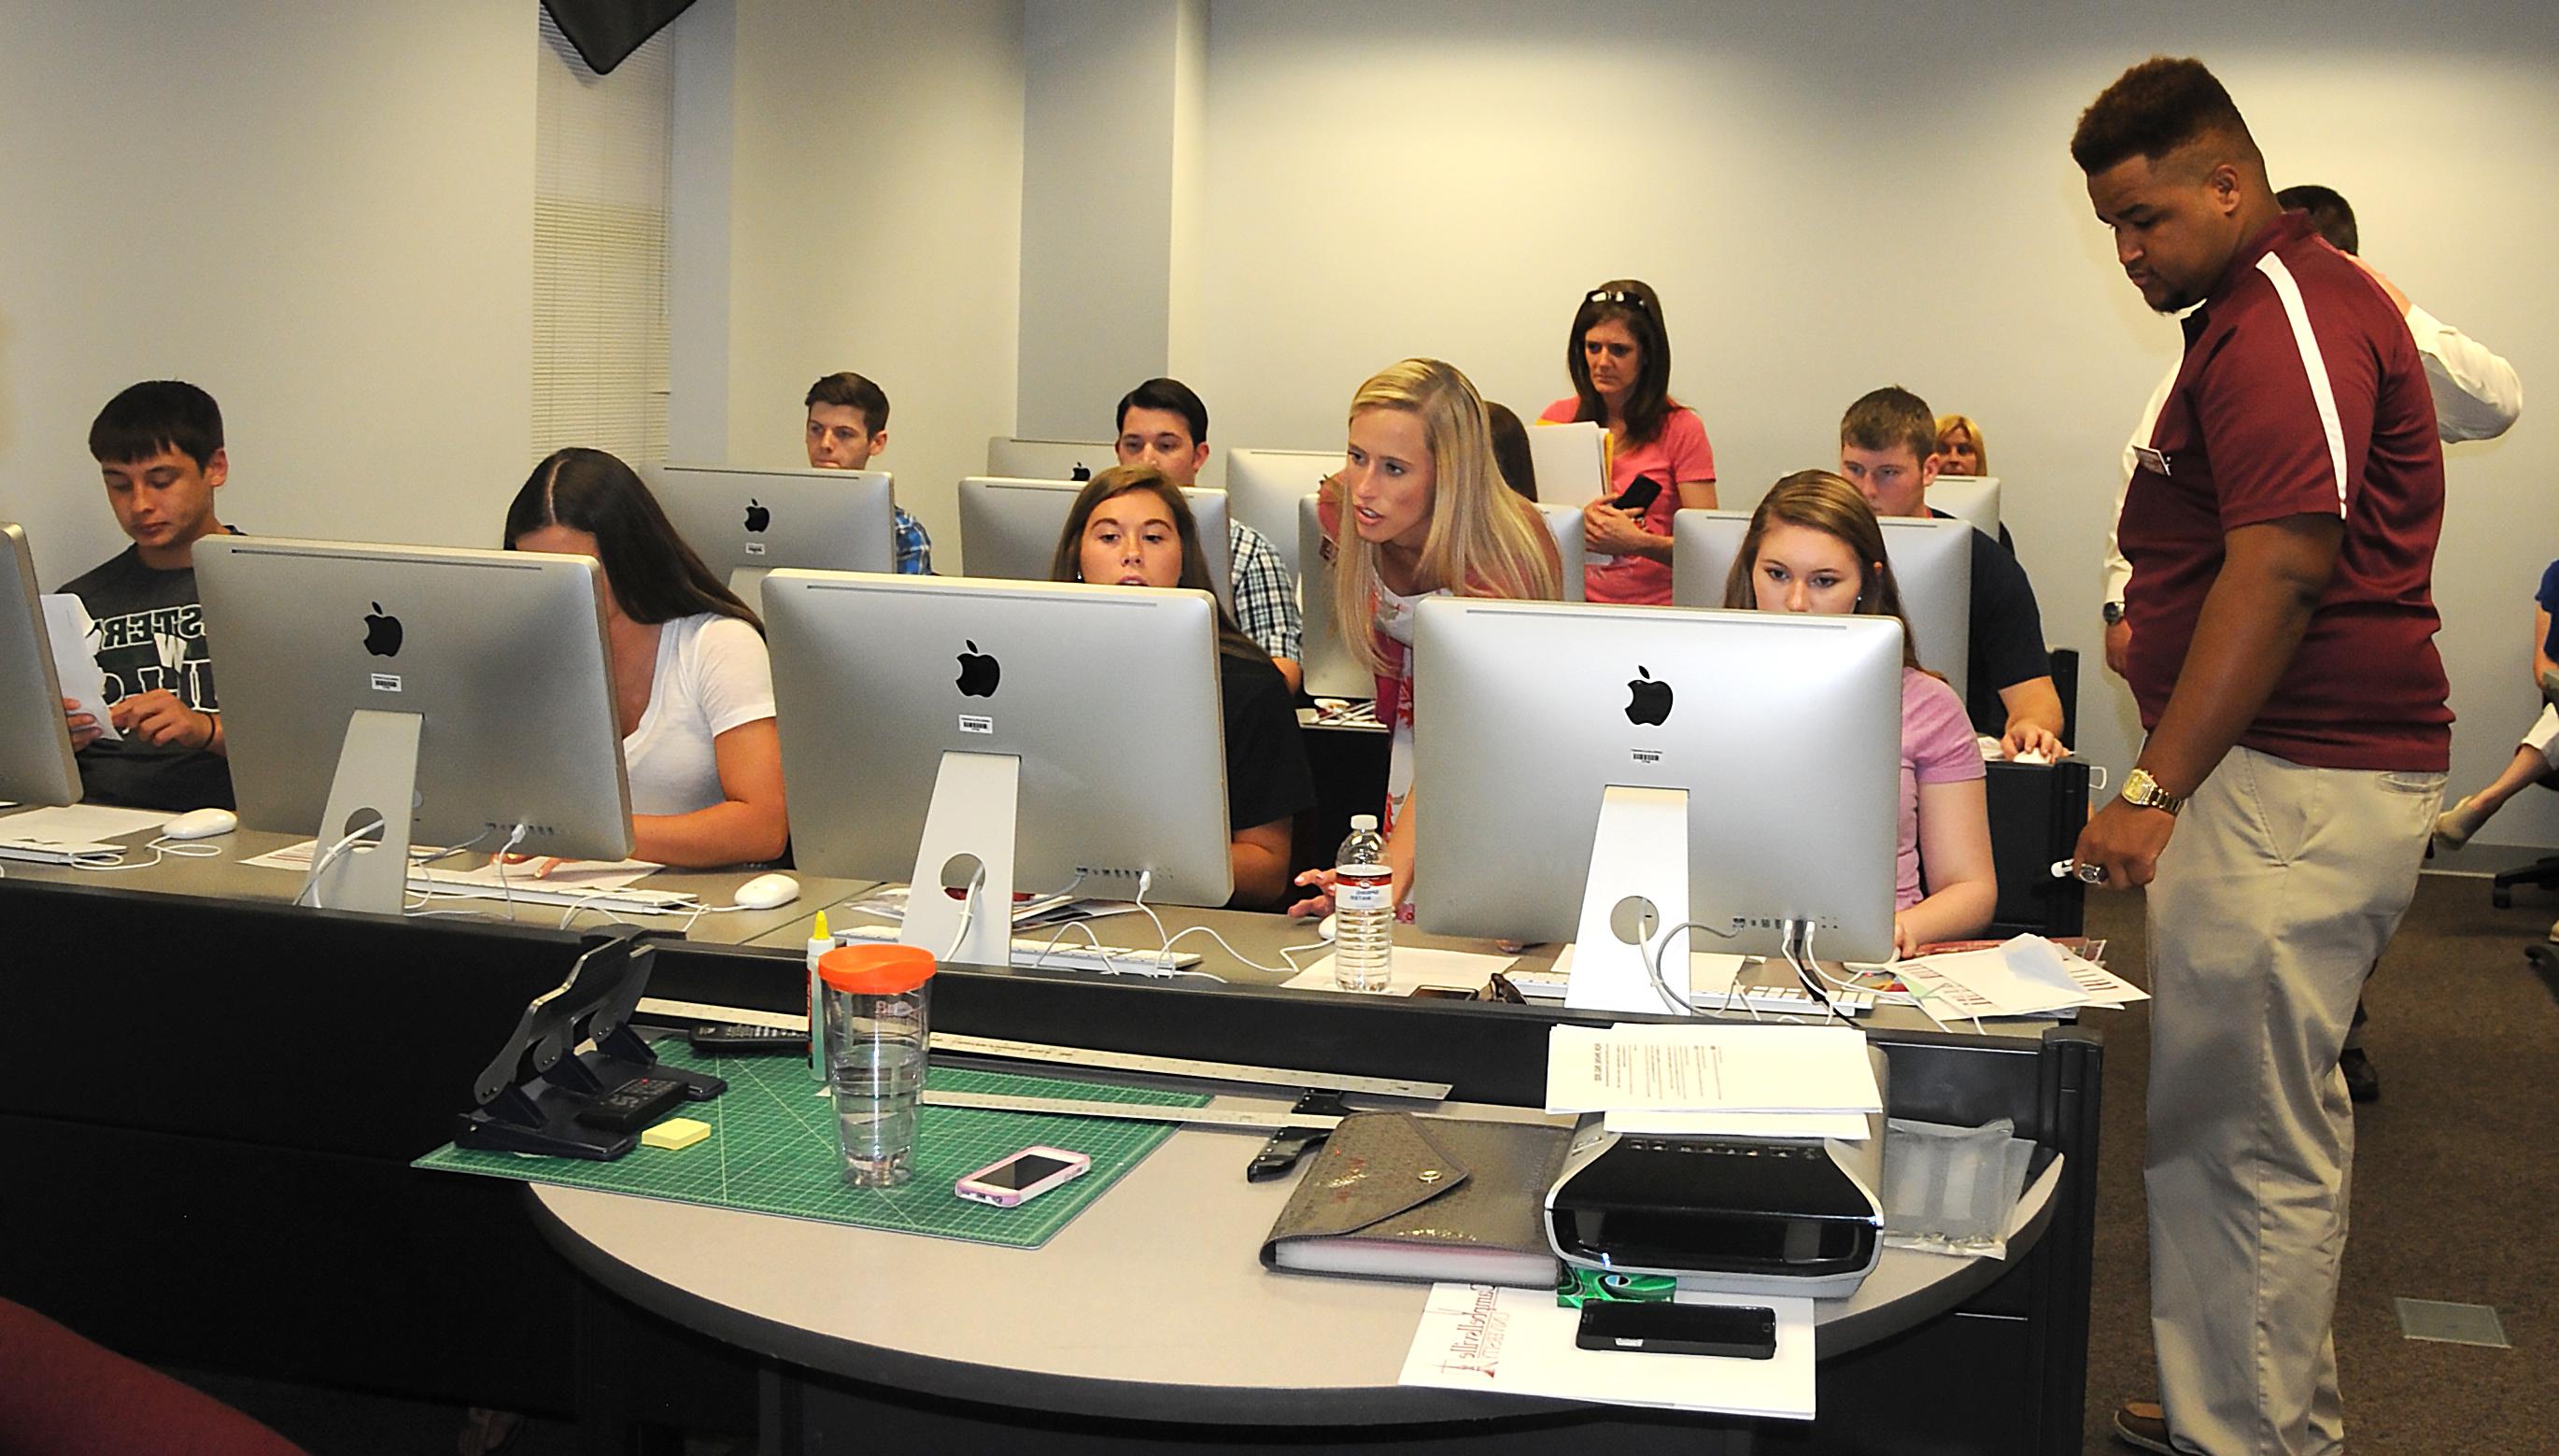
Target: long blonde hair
1485	541
1817	500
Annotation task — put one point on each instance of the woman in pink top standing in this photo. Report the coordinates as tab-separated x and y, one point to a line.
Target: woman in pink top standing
1814	546
1620	359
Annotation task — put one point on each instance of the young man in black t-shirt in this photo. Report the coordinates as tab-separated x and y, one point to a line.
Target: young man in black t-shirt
159	444
1888	451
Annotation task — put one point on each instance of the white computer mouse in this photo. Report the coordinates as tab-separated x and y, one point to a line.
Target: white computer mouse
764	892
202	824
1325	928
2029	755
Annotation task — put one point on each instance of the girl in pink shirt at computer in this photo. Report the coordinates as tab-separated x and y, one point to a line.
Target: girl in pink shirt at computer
1620	359
1418	509
1814	546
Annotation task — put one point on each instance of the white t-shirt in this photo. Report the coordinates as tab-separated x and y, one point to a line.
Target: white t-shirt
712	674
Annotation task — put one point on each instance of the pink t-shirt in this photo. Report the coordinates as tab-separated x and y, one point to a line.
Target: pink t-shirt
1938	747
1679	453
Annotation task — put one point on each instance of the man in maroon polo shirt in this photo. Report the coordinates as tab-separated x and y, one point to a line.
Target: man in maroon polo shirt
2282	529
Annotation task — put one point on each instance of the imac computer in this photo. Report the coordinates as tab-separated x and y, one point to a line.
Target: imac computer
1263	486
1009	529
36	762
746	523
1331	670
1972	497
1657	766
457	696
1048	460
1931	560
1572	462
929	721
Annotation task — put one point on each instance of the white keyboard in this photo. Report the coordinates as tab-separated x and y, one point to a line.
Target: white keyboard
530	891
1546	985
54	851
1067	953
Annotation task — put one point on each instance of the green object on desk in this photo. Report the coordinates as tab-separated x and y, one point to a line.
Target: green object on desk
1580	1286
773	1150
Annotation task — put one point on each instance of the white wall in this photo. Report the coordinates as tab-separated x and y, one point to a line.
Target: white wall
875	199
1109	84
321	212
1823	214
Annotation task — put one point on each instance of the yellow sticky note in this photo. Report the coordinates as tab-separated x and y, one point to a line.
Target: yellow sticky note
676	1133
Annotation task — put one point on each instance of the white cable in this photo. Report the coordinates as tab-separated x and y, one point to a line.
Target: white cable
320	866
1652	959
969	909
161	847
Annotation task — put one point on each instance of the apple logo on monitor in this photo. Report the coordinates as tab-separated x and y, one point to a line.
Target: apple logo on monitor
1082	472
758	515
382	633
1649	702
979	673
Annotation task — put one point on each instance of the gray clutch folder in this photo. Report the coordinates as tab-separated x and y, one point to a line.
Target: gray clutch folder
1393	1196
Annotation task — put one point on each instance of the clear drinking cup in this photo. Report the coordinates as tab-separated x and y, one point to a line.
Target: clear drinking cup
877	999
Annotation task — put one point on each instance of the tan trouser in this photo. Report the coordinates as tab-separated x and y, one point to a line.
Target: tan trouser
2275	894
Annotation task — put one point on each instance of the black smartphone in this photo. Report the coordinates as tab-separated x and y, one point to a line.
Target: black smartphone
1638	496
1734	1331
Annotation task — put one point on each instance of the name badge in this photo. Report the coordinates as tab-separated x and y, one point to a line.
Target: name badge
2152	460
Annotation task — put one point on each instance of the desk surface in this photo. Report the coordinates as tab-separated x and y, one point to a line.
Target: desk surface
1153	1305
230	877
1262	937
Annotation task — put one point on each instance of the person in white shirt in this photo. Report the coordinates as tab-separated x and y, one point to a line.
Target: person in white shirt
692	687
2477	395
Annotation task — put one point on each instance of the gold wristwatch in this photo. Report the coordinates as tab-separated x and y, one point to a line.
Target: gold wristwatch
2141	791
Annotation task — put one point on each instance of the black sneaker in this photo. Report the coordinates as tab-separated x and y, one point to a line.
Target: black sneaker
2362	1079
2142	1423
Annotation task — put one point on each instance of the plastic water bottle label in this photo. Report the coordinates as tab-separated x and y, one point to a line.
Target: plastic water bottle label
1353	895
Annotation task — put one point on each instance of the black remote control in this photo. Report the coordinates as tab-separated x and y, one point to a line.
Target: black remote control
721	1036
632	1105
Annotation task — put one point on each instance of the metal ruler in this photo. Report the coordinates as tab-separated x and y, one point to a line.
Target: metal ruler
1012	1050
1006	1049
1256	1119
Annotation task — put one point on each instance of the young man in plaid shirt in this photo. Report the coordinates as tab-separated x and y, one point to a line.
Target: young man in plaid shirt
1162	423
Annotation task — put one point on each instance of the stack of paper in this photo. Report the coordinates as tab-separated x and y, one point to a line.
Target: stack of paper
1475	1337
1720	1078
2026	976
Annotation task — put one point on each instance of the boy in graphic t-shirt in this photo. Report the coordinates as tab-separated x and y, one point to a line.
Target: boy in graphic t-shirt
159	444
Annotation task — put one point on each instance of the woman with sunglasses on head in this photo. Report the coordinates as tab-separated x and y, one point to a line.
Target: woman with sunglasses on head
692	687
1620	359
1132	527
1419	508
1814	546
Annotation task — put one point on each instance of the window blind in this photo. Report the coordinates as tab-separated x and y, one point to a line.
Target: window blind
604	148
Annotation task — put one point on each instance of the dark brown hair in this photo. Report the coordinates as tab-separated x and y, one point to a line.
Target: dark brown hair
1631	302
1890	416
1122	479
656	577
1817	500
851	390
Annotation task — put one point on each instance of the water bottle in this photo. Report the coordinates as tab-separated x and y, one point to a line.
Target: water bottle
1363	910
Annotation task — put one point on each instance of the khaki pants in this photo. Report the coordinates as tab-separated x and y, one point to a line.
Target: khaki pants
2275	896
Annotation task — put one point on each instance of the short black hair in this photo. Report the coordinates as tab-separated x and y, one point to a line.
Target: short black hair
851	389
2154	109
2330	212
157	415
1171	395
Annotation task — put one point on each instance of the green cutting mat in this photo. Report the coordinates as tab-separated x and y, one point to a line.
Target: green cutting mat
772	1150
